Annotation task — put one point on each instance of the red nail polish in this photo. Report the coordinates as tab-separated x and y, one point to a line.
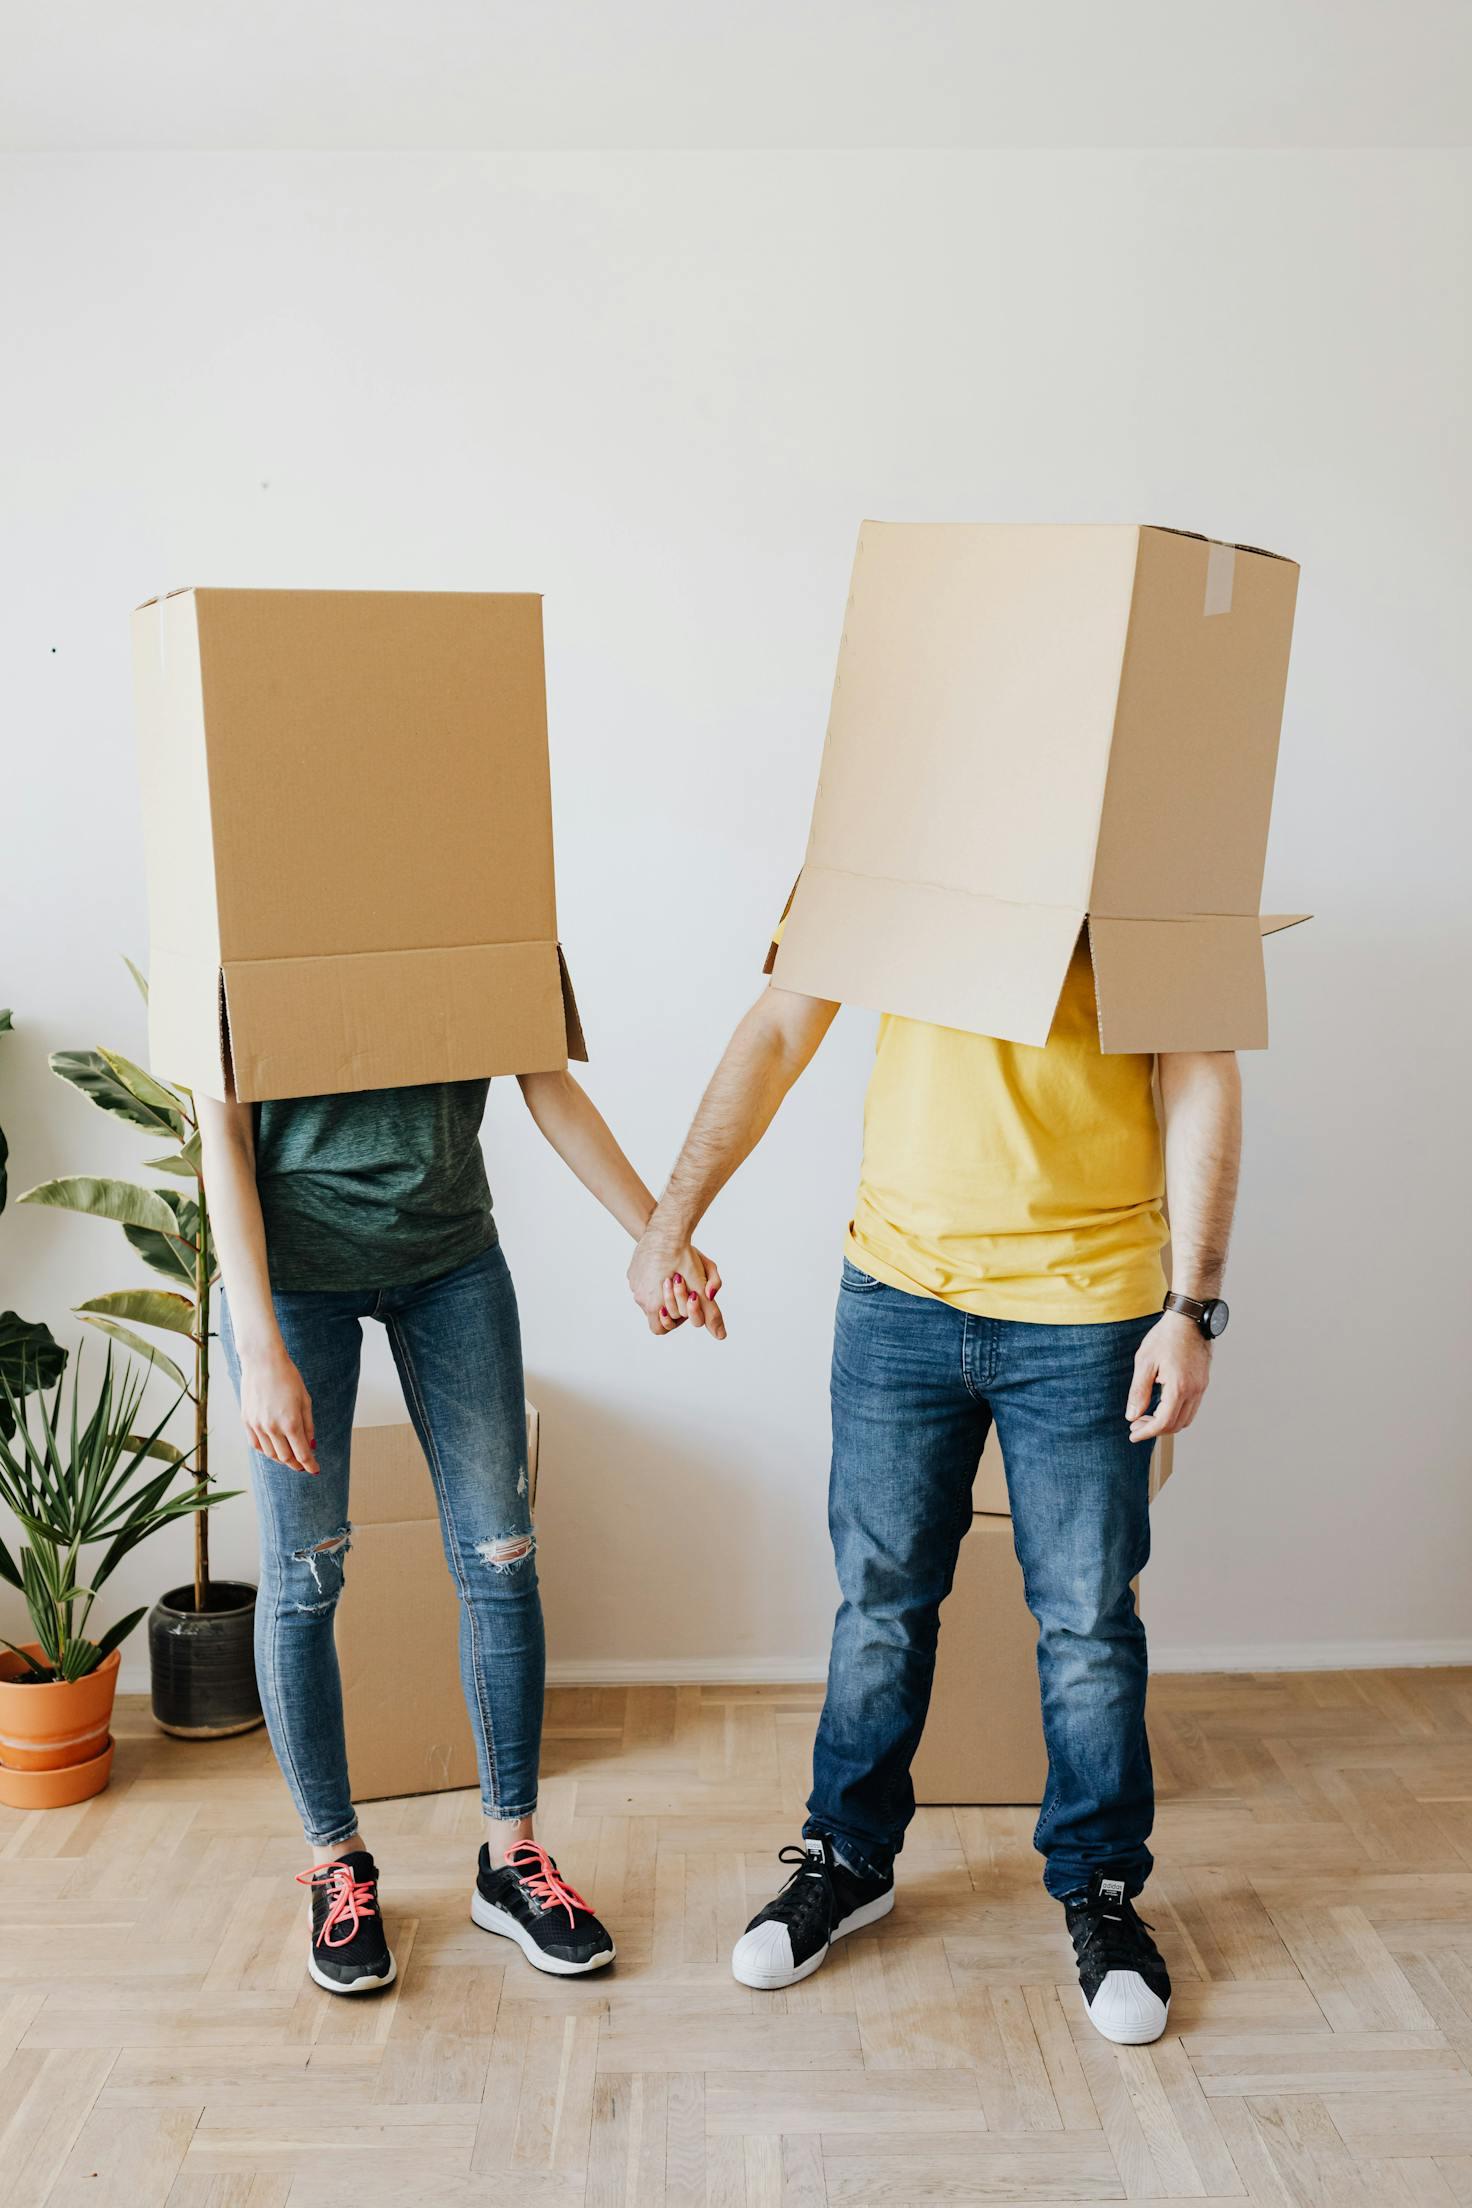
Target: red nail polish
678	1279
662	1312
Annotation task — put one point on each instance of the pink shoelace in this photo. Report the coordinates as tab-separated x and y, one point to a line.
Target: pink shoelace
541	1878
351	1898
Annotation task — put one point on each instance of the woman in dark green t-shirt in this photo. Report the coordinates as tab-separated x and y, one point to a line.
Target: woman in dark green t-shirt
328	1210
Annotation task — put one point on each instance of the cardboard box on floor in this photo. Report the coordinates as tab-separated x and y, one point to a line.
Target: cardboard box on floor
1036	730
983	1739
348	829
398	1625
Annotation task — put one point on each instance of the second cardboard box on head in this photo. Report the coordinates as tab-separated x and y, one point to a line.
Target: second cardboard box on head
1036	731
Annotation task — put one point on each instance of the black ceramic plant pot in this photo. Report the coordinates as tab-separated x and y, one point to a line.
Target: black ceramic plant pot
203	1662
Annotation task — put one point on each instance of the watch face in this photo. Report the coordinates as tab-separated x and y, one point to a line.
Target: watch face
1216	1318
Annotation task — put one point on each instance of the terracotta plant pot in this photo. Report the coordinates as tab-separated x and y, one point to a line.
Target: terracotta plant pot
56	1789
57	1732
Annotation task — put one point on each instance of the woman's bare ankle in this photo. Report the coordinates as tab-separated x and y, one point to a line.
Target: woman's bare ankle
502	1836
336	1848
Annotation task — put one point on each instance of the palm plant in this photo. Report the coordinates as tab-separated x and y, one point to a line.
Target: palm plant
72	1482
30	1355
169	1228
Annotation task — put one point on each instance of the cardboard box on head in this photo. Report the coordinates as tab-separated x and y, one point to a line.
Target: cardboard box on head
348	827
1034	729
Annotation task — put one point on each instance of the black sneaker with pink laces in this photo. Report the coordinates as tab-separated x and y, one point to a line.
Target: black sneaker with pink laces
526	1900
348	1952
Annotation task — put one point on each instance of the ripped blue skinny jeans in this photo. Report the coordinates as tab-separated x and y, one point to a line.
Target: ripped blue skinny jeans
456	1341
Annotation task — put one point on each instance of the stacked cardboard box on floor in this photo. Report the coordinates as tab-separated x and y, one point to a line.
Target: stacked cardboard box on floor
398	1625
984	1737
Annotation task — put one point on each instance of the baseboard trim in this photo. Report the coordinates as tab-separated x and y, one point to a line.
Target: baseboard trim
1310	1656
758	1671
685	1671
802	1671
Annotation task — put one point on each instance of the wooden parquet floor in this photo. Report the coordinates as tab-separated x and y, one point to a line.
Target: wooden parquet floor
159	2041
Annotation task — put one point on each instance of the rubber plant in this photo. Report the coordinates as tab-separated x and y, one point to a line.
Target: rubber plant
30	1355
169	1229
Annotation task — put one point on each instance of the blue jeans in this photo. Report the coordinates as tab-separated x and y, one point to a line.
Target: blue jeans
916	1386
456	1342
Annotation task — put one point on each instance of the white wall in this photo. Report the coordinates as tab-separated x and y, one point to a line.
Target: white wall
664	390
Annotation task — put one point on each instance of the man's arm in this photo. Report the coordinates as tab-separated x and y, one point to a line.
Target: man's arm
769	1049
1201	1093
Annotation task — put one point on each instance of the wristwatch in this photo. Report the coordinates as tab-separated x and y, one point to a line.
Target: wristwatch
1210	1316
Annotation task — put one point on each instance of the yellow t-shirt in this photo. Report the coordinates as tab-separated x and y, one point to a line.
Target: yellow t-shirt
1012	1181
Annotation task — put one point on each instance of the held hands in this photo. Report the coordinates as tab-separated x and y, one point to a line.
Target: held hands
277	1410
671	1282
1177	1356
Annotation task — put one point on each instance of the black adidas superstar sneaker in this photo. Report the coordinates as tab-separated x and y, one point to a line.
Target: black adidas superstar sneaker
1121	1973
822	1902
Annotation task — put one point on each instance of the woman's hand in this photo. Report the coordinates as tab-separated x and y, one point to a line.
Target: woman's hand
672	1281
277	1410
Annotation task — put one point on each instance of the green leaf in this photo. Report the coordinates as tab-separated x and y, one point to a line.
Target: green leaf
164	1450
89	1071
138	1345
38	1671
124	1201
9	1569
119	1632
140	979
150	1093
30	1357
5	1020
147	1306
177	1163
78	1658
162	1253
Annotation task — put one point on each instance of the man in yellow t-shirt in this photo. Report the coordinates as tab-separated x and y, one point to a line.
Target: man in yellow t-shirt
1002	1265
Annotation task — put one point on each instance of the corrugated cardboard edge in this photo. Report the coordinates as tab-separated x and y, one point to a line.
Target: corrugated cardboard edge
1130	1020
479	1010
852	939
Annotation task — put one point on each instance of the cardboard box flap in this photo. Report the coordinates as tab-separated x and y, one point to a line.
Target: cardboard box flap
571	1019
928	953
1273	923
376	1020
1192	983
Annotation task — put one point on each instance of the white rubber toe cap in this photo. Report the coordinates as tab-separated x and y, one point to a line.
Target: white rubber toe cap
1125	2010
763	1957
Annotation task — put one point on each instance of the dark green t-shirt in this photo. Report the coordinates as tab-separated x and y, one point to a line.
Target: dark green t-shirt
376	1189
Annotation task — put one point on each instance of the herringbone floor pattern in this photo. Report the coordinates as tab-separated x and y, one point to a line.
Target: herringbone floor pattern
159	2042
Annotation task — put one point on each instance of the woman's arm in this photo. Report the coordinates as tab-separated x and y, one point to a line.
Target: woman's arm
274	1402
584	1141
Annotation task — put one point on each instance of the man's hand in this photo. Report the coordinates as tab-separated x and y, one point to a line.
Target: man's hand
1177	1355
671	1281
277	1410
